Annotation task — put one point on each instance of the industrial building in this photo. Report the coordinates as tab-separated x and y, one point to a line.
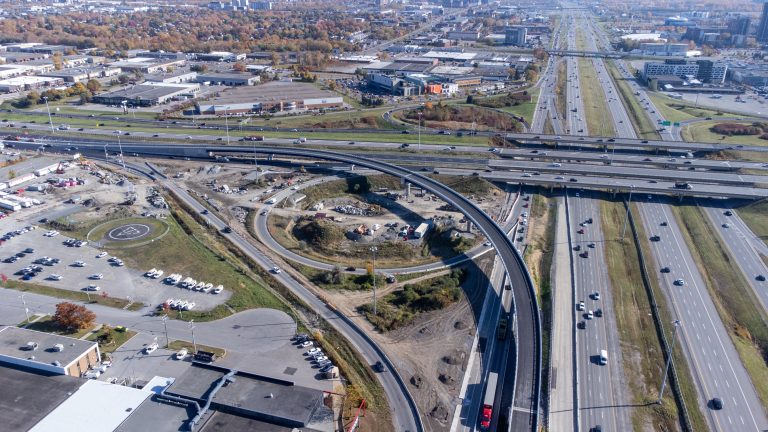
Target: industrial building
26	83
147	65
703	70
175	77
664	49
231	79
47	352
148	94
219	56
275	96
81	74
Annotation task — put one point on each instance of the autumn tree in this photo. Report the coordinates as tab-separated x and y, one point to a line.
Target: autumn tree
238	67
58	62
93	85
274	58
200	68
73	317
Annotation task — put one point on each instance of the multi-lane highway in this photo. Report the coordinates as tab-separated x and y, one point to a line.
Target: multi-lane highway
713	360
603	391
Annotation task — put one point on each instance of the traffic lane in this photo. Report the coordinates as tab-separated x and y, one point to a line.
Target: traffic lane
715	363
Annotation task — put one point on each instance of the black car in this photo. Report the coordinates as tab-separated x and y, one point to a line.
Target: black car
655	238
716	403
573	179
577	248
405	132
664	223
760	277
582	324
350	268
665	270
379	367
598	313
728	213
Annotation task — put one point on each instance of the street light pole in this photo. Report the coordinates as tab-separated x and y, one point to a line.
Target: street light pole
226	123
120	146
626	218
419	129
165	324
105	152
47	108
192	328
26	311
676	324
374	249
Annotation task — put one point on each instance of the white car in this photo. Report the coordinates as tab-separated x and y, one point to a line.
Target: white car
189	306
679	282
79	264
313	351
101	255
580	306
321	358
218	289
150	348
55	277
96	276
307	344
276	270
207	288
92	287
92	374
181	354
590	315
596	295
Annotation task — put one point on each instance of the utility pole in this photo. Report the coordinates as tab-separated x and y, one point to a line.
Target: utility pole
626	218
165	324
374	249
419	129
47	108
675	324
105	152
192	328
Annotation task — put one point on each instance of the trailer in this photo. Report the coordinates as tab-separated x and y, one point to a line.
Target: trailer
9	205
486	412
421	230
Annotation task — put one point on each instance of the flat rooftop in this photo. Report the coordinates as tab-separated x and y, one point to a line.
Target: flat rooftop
95	406
224	422
158	416
28	396
225	75
13	341
143	91
261	397
275	91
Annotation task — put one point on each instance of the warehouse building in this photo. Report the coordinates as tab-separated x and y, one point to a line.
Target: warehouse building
275	96
219	56
147	65
26	83
232	79
81	74
47	352
148	94
175	77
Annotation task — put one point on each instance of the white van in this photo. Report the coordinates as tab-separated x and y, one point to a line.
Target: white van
603	357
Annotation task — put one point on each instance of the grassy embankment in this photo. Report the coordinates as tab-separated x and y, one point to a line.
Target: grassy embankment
755	215
641	348
46	325
643	124
734	299
538	258
700	132
594	99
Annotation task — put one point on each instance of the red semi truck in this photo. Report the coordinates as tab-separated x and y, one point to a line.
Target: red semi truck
486	413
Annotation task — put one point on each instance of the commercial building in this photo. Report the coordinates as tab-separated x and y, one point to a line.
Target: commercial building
392	84
40	48
147	65
81	74
175	77
463	35
762	26
220	56
704	70
515	36
47	352
757	77
739	25
25	83
12	70
148	94
274	96
228	79
664	49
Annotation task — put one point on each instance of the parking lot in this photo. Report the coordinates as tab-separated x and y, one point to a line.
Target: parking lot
116	281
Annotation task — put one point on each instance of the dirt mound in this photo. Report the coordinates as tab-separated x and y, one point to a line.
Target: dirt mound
460	325
416	381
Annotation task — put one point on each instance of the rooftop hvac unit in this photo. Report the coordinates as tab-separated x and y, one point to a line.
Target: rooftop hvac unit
58	347
31	346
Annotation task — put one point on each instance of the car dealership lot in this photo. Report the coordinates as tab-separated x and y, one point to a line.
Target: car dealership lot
121	282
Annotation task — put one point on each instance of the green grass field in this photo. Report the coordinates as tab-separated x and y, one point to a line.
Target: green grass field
525	109
676	110
118	339
65	294
47	325
699	132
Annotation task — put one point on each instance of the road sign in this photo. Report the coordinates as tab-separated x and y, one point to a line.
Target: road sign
666	123
676	124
